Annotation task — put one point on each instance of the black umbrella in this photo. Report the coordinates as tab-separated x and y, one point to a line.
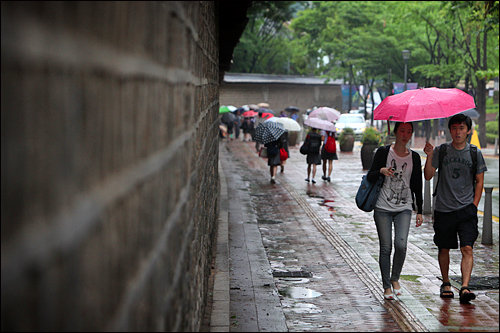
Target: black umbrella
228	118
292	108
265	110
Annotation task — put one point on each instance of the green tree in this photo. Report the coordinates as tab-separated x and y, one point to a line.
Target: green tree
467	35
265	43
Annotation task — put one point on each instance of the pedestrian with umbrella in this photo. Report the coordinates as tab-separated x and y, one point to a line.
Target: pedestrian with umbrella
237	122
461	169
328	153
401	190
269	134
313	142
229	120
459	188
247	125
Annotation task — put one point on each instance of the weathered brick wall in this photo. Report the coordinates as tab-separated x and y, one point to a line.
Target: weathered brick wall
279	96
109	164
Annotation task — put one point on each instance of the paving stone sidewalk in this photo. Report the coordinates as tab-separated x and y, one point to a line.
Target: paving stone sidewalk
294	226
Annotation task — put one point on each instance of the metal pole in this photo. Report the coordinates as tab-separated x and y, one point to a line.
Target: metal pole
427	197
496	146
487	238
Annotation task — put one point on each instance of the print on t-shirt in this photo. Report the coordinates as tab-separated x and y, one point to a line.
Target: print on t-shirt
397	185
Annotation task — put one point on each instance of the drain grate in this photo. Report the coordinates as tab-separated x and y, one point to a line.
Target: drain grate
479	282
292	274
269	221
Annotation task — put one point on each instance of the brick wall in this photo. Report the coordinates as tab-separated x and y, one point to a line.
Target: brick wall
279	96
109	164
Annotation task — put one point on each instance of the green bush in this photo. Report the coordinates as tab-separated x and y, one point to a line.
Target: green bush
371	135
492	127
345	131
490	138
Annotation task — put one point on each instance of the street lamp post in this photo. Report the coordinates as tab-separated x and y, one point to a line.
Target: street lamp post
406	57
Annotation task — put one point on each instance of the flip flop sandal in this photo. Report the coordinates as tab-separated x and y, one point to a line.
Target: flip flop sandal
465	298
446	293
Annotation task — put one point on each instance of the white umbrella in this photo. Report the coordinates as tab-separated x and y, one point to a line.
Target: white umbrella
325	114
321	124
289	124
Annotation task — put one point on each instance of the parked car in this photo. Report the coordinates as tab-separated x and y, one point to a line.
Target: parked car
354	121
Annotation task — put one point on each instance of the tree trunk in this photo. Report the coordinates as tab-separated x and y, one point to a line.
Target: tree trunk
481	94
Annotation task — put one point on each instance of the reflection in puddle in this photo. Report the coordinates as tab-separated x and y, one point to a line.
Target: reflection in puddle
305	308
298	292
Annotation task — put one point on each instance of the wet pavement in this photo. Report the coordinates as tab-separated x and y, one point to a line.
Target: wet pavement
296	256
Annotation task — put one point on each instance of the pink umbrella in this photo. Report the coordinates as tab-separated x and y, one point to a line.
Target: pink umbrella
249	114
267	115
422	104
321	124
325	113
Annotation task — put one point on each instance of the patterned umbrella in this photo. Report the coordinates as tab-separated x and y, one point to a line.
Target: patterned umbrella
268	132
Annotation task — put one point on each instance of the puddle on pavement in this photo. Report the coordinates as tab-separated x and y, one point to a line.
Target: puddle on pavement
299	292
329	204
305	308
314	195
276	264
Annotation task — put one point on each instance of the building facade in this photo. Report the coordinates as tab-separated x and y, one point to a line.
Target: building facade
280	91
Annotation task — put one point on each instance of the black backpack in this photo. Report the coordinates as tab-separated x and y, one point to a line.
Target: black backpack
473	155
314	145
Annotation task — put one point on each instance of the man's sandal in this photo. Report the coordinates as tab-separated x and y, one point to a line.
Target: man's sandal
446	293
465	298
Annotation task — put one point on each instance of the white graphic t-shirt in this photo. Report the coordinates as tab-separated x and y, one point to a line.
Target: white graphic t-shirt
395	195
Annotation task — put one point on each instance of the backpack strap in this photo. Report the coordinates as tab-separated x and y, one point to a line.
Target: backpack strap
442	154
473	155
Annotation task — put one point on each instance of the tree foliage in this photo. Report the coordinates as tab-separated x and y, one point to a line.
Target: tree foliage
361	42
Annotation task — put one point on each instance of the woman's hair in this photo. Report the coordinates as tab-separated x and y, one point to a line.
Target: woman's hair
399	124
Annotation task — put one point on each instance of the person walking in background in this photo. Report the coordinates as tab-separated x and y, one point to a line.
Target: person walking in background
295	115
313	156
400	193
330	155
284	144
237	124
273	157
460	181
283	114
247	127
258	120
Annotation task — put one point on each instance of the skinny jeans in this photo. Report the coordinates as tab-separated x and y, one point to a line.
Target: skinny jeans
384	221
